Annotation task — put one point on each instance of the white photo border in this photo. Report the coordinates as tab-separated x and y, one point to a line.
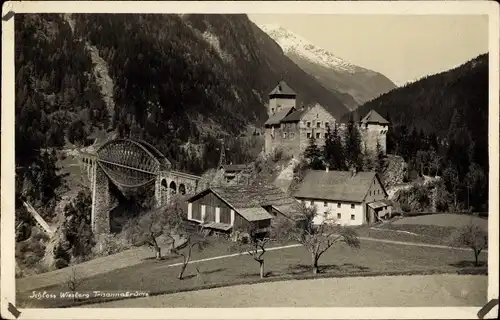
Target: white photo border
8	285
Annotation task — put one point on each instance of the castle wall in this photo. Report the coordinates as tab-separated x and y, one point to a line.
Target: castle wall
371	134
314	122
277	103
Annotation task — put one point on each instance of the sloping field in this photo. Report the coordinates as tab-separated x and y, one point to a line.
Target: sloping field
445	220
397	291
374	257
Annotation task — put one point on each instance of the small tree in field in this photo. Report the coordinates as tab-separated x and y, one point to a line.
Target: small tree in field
146	229
317	238
471	236
254	245
194	240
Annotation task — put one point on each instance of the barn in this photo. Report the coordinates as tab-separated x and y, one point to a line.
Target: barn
228	209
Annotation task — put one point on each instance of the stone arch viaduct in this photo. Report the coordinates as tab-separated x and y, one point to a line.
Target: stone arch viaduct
130	164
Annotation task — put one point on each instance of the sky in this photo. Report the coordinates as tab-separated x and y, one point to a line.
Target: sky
404	48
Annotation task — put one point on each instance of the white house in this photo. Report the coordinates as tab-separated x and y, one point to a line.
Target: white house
346	197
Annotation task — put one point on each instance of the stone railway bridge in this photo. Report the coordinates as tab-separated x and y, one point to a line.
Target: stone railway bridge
130	164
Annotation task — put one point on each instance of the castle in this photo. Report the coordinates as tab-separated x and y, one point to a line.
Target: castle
290	128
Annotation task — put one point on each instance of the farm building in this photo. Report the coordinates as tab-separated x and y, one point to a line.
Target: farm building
236	172
228	209
344	197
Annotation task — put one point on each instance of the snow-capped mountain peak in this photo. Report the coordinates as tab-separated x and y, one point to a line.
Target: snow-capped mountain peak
291	42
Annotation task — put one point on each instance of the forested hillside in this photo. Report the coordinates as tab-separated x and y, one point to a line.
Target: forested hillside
181	82
442	121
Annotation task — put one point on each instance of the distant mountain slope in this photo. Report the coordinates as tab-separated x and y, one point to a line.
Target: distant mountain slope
457	97
169	78
356	84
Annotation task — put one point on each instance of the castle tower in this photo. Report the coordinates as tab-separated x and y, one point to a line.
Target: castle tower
281	97
373	128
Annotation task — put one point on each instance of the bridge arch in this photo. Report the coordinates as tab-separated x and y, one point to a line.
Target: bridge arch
182	189
173	187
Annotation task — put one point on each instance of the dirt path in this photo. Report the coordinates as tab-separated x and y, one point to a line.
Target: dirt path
398	291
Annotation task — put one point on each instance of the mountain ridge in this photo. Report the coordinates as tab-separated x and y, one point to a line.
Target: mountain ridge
334	73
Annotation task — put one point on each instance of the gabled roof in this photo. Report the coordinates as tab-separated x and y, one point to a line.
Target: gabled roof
282	89
295	116
278	116
255	197
254	214
335	185
374	117
236	167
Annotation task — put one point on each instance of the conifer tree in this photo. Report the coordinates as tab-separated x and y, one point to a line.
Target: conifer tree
353	154
333	151
313	155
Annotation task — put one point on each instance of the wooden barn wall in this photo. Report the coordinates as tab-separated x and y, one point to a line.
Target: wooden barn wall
211	202
196	210
240	223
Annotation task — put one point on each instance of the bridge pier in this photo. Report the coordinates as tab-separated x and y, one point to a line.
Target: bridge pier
101	201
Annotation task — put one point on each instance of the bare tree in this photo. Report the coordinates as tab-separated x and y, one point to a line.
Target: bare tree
471	236
254	245
73	282
317	238
195	240
146	229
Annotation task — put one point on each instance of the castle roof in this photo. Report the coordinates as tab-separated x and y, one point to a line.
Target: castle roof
279	116
374	117
282	89
335	185
295	116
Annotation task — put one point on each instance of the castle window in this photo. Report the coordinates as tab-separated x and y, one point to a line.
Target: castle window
317	135
327	124
308	124
309	135
318	124
339	215
284	135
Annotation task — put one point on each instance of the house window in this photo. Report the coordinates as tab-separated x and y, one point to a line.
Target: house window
325	204
339	215
338	205
308	124
352	205
318	124
308	135
318	135
272	110
312	202
352	217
